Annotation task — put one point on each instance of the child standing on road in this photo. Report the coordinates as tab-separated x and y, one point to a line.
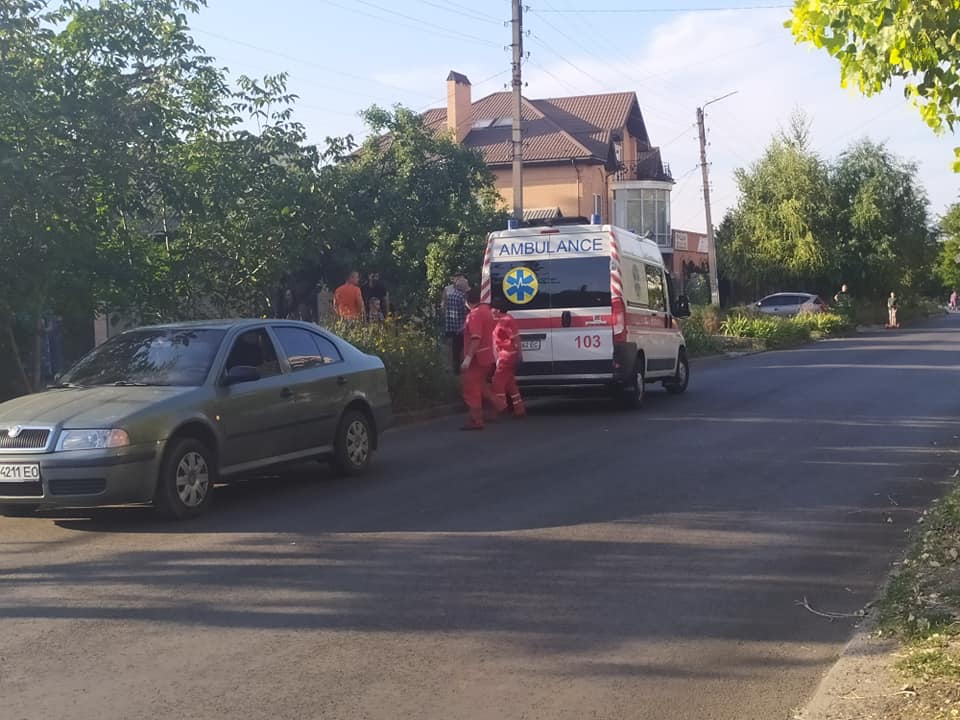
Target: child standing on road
953	300
506	343
892	306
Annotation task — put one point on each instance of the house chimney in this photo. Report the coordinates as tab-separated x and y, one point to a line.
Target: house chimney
459	106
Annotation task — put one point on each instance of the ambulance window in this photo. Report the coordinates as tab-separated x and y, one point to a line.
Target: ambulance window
526	286
635	287
658	296
579	282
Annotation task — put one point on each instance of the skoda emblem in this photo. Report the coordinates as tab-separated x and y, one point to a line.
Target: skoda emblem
14	431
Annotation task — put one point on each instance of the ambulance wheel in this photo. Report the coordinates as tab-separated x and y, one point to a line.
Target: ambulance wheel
634	391
679	383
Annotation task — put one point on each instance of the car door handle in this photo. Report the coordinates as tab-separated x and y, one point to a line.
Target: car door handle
286	393
341	380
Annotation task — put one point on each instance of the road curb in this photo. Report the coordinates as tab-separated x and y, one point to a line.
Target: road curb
862	669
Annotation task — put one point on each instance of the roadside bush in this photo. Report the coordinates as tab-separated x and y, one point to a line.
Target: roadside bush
774	332
709	317
417	371
919	308
700	341
825	324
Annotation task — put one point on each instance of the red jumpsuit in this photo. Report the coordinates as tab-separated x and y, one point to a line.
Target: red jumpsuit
479	326
506	341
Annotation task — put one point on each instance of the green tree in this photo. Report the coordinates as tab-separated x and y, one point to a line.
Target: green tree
877	41
778	234
948	259
411	203
883	240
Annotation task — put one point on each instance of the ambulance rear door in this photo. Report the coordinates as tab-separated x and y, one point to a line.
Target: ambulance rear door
580	309
523	282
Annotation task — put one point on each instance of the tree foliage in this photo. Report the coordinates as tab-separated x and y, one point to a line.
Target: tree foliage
948	259
877	41
778	232
413	201
802	223
137	175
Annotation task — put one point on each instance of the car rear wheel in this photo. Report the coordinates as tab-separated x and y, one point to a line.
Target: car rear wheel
680	381
354	445
635	390
17	510
187	476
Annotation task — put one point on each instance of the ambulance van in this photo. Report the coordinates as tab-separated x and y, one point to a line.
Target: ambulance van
594	306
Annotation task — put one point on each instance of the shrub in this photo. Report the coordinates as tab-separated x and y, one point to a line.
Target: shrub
710	317
417	371
919	308
699	340
825	324
775	332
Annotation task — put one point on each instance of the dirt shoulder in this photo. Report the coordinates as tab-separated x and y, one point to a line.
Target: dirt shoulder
904	662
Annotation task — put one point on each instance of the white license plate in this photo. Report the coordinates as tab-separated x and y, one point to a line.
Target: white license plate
530	345
10	472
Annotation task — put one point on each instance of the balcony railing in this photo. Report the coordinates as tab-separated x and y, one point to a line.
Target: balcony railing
643	171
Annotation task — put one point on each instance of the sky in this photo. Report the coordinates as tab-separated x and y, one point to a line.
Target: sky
344	55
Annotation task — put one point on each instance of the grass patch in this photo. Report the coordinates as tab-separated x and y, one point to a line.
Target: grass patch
921	604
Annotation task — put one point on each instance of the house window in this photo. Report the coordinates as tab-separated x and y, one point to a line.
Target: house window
645	211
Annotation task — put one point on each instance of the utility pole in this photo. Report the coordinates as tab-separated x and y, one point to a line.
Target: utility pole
705	173
517	84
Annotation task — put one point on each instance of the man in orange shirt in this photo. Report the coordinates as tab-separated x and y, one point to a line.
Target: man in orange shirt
348	299
478	358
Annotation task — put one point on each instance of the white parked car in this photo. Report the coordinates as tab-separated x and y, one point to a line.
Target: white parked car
791	304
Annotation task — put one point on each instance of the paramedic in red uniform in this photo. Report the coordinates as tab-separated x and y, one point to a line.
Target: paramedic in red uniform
478	358
506	343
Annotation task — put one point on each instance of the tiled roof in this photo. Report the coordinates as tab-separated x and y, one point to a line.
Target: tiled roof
571	128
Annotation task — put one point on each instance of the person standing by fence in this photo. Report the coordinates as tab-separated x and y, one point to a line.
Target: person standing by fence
453	304
348	299
953	300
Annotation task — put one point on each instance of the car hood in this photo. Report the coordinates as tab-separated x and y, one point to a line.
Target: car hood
89	407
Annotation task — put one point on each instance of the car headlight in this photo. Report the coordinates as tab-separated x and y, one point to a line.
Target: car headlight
92	439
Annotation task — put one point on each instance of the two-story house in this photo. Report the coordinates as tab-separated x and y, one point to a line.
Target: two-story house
579	153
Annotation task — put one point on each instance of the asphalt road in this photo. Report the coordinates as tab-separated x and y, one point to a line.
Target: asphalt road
587	563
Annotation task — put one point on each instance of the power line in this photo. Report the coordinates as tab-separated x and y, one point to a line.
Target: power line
557	78
309	63
425	23
650	11
472	14
476	12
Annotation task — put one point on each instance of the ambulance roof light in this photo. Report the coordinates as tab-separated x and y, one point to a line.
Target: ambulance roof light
595	219
513	224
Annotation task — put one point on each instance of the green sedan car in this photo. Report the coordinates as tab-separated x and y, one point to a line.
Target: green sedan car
161	414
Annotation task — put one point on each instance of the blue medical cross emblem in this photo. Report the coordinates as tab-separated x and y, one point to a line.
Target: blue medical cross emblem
520	285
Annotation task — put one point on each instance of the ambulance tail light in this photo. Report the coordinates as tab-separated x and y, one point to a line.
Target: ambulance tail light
619	320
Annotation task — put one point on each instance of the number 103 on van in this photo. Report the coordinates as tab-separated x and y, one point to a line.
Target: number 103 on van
588	342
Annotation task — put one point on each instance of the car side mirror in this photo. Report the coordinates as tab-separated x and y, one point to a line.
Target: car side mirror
681	307
241	374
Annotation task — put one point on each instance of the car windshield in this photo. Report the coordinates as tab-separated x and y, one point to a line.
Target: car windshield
159	356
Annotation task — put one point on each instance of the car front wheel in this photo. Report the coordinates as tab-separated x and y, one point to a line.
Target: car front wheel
354	445
185	486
